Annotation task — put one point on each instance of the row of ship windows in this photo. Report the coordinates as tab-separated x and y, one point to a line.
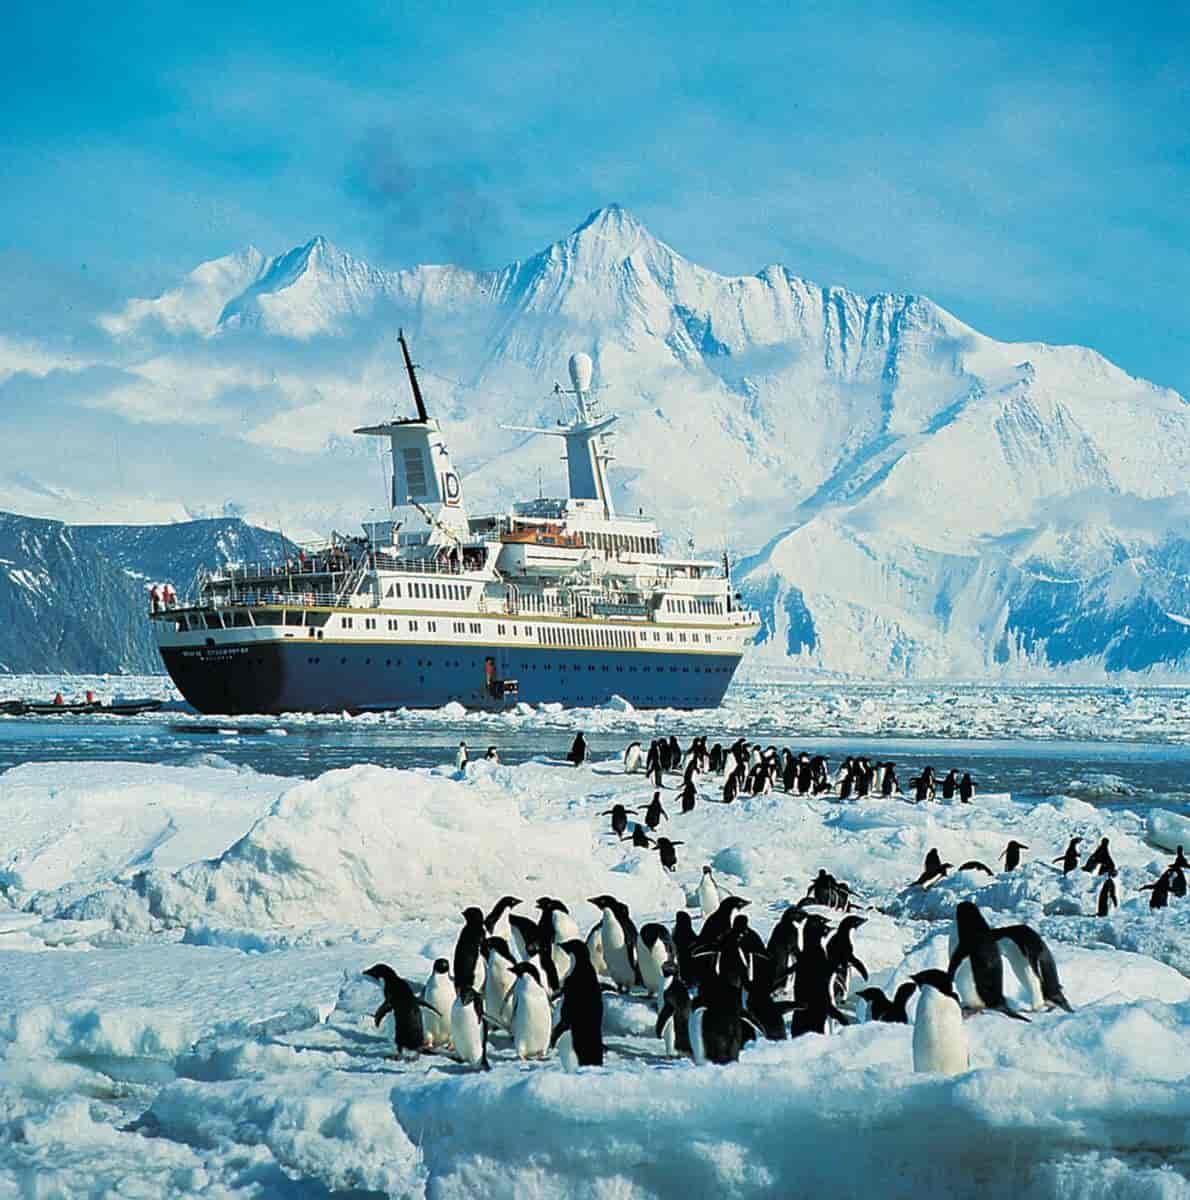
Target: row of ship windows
547	635
561	668
615	542
697	604
431	591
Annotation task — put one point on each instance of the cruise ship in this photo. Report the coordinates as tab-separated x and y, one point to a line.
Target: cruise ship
556	601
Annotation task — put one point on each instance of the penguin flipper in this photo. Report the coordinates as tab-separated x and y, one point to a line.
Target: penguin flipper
838	1015
859	966
383	1011
664	1015
956	959
559	1030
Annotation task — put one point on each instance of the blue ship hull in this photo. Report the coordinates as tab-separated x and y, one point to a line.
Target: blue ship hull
280	677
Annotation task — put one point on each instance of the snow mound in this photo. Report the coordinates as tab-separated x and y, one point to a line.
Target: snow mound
372	846
1168	830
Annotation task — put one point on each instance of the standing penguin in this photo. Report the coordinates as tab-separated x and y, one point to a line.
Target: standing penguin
1160	891
578	751
531	1017
461	757
950	784
939	1043
1012	855
841	956
497	921
673	1021
717	1023
632	758
654	952
468	1030
439	995
555	926
619	816
1033	964
685	943
708	893
668	852
406	1008
1108	898
976	942
653	767
812	983
499	983
1100	859
469	967
881	1008
618	940
966	788
579	1032
654	814
1069	860
640	839
688	795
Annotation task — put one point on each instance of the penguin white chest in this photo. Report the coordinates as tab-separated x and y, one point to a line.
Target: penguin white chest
939	1042
708	895
439	992
1029	980
615	951
531	1023
499	983
651	960
466	1032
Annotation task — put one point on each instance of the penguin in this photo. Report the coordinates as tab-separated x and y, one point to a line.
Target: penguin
497	921
640	839
524	940
923	786
788	771
468	1029
469	966
975	865
1107	896
578	751
805	777
654	952
439	994
882	1009
783	945
632	758
619	816
717	1022
935	869
966	788
555	927
685	943
731	788
976	941
668	852
579	1032
1033	964
812	983
1012	855
461	757
654	814
939	1042
493	755
653	768
531	1016
688	795
499	983
1069	860
673	1021
1100	859
1180	862
1159	890
718	924
1177	881
405	1006
950	784
890	785
841	956
708	892
619	941
595	947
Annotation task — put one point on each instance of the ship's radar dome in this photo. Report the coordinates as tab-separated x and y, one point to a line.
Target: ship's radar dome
581	370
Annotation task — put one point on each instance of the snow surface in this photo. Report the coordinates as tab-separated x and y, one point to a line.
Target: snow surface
182	1011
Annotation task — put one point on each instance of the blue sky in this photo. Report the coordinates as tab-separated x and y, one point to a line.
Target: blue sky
1028	167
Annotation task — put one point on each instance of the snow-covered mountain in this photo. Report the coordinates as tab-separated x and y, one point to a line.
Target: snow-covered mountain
73	598
908	495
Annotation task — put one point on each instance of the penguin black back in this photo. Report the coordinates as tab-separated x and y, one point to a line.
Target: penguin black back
582	1007
400	1000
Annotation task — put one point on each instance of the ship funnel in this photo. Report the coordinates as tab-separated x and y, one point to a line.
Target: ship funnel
581	370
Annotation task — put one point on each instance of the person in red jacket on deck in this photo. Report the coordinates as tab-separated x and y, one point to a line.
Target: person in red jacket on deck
154	598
